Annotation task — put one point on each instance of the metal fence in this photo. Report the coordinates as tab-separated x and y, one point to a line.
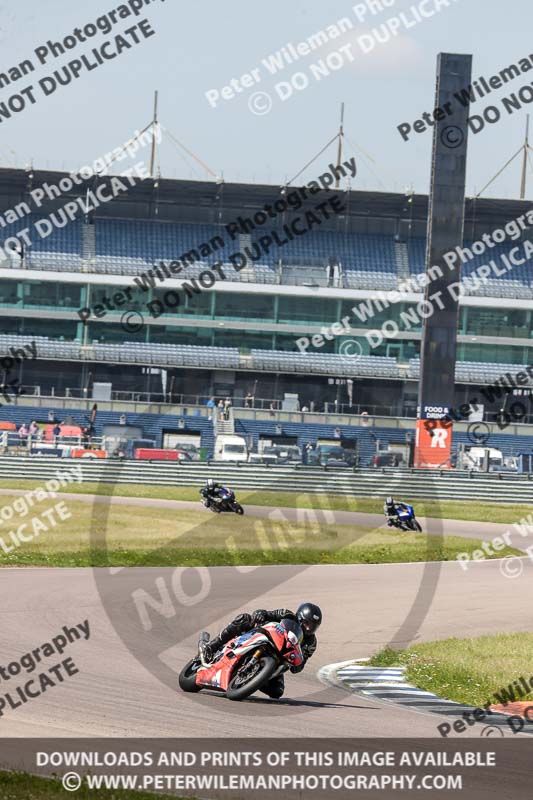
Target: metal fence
409	484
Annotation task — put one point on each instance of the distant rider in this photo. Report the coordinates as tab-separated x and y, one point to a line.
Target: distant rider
390	509
211	491
308	616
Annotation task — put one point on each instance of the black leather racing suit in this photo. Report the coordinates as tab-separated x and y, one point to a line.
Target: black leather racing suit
392	513
247	622
213	494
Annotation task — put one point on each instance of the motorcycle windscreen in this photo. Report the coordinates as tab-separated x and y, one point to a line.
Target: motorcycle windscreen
293	628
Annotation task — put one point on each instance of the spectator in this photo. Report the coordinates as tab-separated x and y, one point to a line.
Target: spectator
122	419
337	433
249	400
307	448
85	437
227	406
23	433
211	406
220	408
33	429
273	408
56	430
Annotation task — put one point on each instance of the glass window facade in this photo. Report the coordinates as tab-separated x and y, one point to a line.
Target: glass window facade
225	309
308	309
245	306
514	323
9	293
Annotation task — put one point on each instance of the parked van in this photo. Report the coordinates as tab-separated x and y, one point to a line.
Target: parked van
229	447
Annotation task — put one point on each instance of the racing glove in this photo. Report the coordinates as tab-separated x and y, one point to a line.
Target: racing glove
259	617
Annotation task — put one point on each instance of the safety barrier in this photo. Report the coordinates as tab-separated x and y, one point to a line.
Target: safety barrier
442	485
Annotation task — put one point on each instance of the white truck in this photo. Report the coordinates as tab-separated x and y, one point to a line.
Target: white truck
476	459
229	447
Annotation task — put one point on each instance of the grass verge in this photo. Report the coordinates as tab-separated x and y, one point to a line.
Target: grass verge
116	535
21	786
444	509
465	670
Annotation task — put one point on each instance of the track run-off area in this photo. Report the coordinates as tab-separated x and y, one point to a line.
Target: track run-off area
365	606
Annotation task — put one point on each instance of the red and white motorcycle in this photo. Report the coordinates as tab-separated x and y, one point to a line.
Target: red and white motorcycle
247	662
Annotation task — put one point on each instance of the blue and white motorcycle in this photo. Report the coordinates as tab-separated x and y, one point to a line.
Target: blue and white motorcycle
405	519
226	501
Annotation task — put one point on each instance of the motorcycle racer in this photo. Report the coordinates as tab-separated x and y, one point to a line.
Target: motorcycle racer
308	616
211	490
391	508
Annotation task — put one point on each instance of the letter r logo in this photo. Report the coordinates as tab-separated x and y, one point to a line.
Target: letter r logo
439	438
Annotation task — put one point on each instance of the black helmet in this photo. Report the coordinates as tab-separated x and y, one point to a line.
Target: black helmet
309	616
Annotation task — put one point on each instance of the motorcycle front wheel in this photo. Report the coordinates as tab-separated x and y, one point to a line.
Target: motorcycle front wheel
417	526
242	686
238	508
187	678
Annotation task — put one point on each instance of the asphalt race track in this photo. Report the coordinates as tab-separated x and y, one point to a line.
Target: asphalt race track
365	607
471	530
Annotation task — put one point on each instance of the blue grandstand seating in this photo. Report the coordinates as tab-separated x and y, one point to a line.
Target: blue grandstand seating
153	241
520	276
366	261
60	240
354	251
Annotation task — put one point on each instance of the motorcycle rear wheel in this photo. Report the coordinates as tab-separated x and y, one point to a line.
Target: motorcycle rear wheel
187	678
243	690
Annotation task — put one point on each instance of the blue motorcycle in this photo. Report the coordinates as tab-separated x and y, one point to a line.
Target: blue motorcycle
225	501
405	519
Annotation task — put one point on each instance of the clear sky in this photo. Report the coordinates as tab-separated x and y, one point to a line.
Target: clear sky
200	46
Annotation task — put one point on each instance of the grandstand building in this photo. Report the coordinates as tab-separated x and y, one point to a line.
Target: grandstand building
240	335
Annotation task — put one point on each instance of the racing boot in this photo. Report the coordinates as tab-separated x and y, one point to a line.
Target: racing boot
274	688
208	648
205	650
